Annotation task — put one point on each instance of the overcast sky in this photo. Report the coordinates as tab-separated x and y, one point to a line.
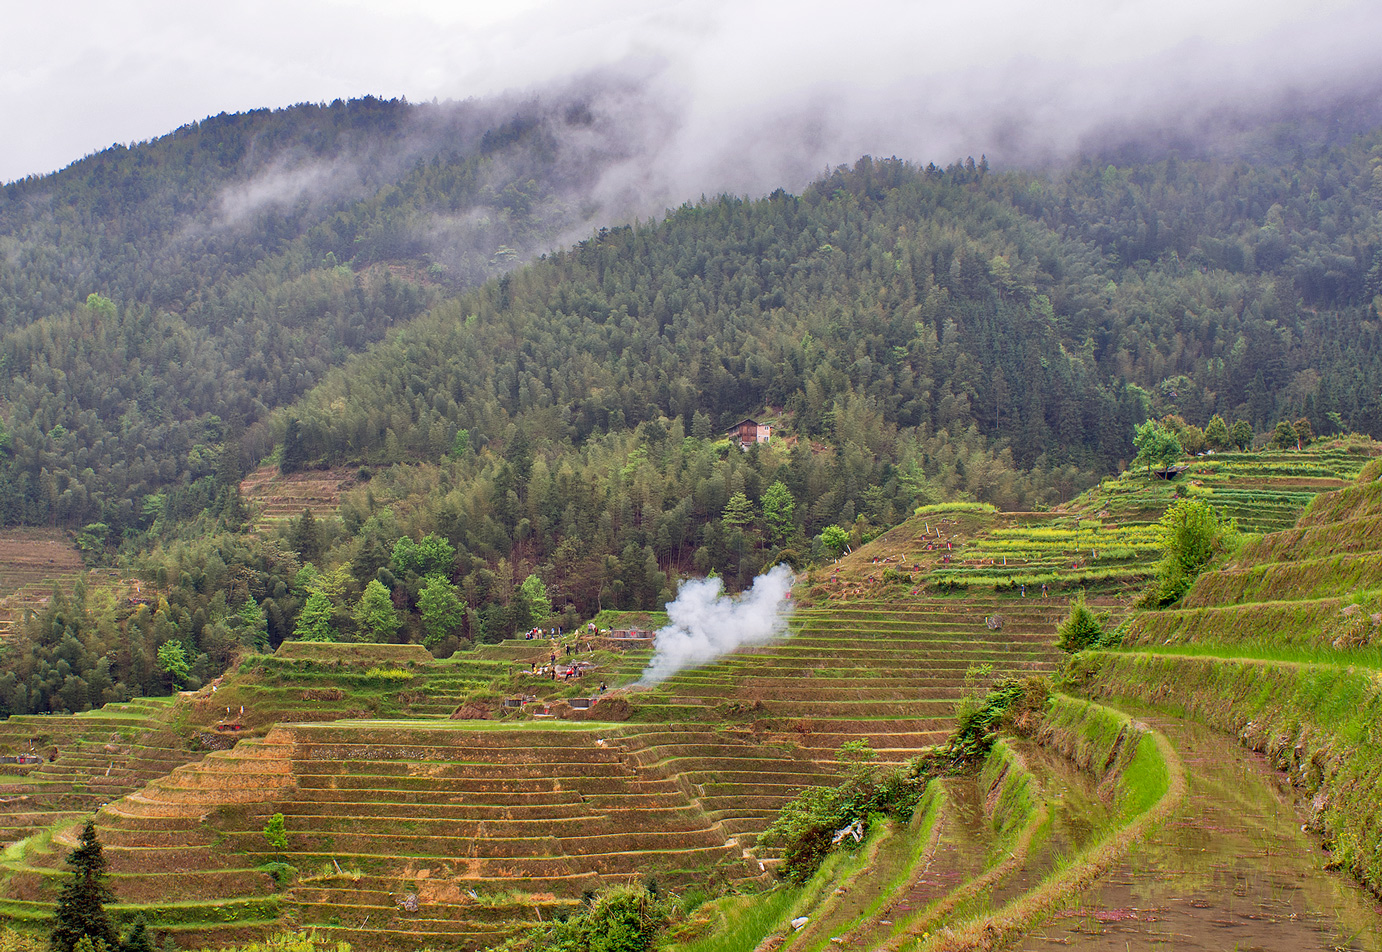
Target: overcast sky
928	80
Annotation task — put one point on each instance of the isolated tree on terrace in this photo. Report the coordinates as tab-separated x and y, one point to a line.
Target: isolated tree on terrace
834	539
1156	446
81	912
1193	533
374	613
1284	437
314	621
1216	434
172	660
443	609
1305	433
1242	434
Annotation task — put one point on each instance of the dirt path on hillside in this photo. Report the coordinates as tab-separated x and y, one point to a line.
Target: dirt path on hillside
1231	869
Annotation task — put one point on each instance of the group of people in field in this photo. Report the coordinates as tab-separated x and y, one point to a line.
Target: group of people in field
553	667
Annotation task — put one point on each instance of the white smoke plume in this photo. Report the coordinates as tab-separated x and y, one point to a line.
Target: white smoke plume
705	623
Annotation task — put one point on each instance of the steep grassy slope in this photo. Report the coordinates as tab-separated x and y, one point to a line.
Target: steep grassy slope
1281	648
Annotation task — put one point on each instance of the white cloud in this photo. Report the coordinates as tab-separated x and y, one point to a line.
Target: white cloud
929	80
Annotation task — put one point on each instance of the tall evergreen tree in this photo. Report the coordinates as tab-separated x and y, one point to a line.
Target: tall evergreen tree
374	614
81	910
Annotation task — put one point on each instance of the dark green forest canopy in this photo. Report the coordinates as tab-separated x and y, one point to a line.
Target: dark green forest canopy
1046	314
237	260
246	256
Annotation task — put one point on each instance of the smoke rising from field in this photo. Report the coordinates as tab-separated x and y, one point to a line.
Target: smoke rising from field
705	623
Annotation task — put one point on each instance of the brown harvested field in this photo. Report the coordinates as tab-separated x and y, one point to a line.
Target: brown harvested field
275	497
32	561
35	557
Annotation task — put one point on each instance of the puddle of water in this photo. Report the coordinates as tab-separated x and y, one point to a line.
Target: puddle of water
1078	818
1231	869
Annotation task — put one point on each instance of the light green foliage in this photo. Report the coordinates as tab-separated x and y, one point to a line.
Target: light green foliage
834	539
1081	629
374	613
939	507
100	305
461	444
172	660
442	608
1157	446
314	621
1194	532
304	941
534	594
779	512
808	823
276	832
432	555
91	540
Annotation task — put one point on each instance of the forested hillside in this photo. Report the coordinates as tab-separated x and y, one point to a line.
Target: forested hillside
235	261
292	286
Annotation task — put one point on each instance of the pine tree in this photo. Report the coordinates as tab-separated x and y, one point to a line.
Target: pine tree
294	455
374	613
1216	434
442	608
81	910
779	512
305	537
314	621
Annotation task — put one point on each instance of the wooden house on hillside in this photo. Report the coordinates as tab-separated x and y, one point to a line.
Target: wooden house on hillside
747	432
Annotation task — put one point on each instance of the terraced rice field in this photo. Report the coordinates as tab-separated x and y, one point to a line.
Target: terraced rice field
275	498
83	761
491	825
32	562
1264	491
407	828
887	673
443	834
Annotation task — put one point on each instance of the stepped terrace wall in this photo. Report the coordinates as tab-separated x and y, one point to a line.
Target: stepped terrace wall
377	809
1298	588
1321	724
890	674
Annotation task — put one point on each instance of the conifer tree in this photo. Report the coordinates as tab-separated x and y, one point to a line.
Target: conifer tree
314	621
81	910
374	613
442	608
